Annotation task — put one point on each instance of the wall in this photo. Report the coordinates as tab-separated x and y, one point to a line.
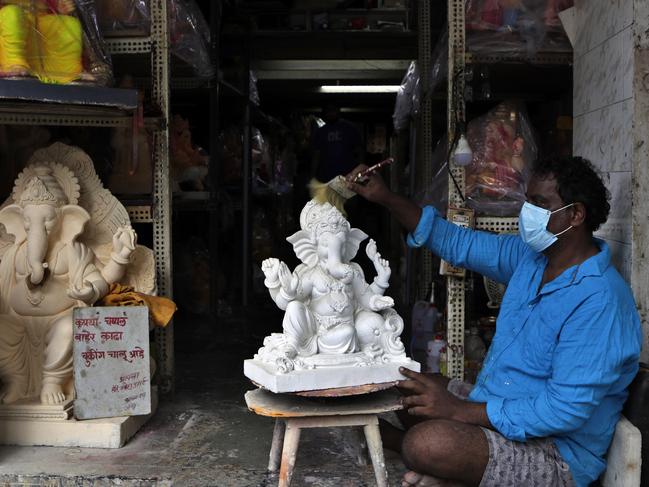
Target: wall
640	189
603	109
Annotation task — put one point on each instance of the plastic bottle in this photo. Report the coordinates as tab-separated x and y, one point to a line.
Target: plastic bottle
475	351
443	365
433	353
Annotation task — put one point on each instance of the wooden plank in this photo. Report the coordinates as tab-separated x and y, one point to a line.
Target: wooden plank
266	403
347	391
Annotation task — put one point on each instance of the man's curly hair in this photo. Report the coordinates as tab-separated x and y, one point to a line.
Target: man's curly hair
578	182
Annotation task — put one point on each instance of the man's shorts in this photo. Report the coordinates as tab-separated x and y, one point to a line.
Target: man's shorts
535	463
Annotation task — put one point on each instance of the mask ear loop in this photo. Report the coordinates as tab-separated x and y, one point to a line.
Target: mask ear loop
561	233
562	208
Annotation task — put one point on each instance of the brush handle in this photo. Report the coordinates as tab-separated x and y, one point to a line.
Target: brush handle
361	176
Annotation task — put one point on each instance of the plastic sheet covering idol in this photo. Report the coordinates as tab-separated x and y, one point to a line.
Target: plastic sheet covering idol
189	32
56	41
515	27
124	17
190	36
503	151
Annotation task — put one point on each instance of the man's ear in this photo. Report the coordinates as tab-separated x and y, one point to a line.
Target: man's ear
578	214
73	221
12	218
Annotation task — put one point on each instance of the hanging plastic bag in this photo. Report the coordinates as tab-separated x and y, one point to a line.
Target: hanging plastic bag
410	92
403	106
56	41
504	149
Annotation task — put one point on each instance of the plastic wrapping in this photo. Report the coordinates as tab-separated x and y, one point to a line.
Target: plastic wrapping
254	92
403	109
504	149
515	27
435	192
231	153
262	165
410	91
124	17
190	36
56	41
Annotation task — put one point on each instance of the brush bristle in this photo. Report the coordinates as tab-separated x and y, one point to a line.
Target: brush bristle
322	193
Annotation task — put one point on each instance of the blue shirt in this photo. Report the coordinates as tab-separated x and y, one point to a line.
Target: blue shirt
562	356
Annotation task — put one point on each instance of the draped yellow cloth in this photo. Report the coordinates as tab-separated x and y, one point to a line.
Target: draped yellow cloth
161	309
46	45
14	32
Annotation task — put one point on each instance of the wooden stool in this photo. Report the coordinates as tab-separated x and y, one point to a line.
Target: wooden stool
294	413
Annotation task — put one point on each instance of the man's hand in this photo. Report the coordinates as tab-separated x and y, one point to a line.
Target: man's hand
426	396
375	190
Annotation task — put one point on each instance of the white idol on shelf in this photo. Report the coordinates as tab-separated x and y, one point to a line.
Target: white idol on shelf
65	240
338	330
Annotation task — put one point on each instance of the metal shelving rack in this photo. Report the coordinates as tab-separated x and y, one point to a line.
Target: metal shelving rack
458	59
159	214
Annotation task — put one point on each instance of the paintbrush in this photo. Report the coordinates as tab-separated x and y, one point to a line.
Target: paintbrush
364	176
336	192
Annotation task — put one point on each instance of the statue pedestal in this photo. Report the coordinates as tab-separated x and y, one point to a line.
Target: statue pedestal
41	425
330	377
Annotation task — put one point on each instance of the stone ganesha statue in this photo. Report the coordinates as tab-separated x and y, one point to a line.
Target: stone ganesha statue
333	316
52	265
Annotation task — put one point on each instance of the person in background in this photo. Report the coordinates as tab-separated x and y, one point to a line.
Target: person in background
337	146
546	402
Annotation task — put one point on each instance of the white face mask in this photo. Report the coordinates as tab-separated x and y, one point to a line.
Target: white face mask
533	223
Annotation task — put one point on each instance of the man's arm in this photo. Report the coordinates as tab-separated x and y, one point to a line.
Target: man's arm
488	254
405	211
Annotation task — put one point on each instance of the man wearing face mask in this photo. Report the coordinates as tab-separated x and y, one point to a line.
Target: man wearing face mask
568	338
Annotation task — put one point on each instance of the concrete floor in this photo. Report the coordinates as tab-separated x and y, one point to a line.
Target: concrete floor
202	436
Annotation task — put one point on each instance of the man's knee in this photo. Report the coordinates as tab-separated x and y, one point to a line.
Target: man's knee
426	444
446	449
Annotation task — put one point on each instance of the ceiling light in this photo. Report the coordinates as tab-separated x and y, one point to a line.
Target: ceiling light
358	89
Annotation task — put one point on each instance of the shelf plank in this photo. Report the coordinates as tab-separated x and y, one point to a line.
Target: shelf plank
30	102
129	45
545	58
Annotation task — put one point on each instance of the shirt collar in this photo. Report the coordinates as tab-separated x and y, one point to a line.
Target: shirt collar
593	266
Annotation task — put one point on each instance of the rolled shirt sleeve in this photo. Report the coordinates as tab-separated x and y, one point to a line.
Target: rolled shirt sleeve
492	255
588	360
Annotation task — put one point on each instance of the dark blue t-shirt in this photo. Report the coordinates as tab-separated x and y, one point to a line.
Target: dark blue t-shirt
336	142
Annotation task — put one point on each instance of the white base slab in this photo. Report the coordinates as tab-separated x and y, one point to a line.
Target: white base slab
266	375
91	433
32	409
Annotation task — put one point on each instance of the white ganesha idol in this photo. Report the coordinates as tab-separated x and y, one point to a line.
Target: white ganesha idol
338	330
64	239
